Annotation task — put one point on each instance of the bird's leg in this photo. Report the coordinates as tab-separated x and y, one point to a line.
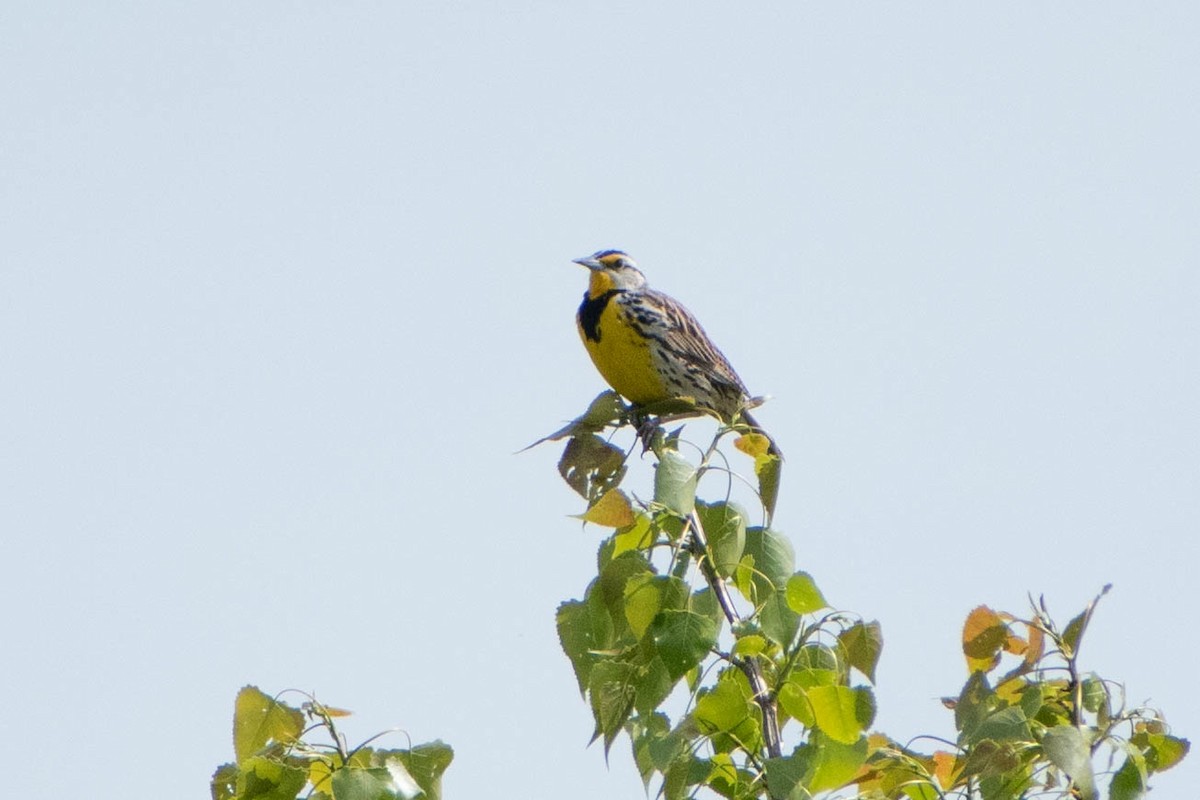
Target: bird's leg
647	428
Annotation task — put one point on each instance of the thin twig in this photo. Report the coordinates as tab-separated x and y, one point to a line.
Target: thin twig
698	545
749	666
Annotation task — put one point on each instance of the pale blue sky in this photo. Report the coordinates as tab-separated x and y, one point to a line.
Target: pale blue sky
285	285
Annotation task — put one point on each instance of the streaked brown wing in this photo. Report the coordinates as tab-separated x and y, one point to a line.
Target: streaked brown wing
682	334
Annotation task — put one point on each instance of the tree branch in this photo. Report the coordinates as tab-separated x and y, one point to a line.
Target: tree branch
749	666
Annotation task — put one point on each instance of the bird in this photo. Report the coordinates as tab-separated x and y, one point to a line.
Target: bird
651	349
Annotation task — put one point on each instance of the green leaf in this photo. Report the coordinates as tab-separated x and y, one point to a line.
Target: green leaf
424	764
767	563
575	637
743	578
1095	694
996	761
704	602
683	639
1031	700
1129	782
652	681
223	785
803	596
768	469
725	527
728	708
816	767
842	713
751	644
810	677
1073	633
609	589
785	775
591	466
862	643
666	748
1162	751
261	778
922	789
612	691
834	764
817	656
639	535
779	622
675	483
864	706
1006	725
722	775
973	704
793	699
685	771
607	409
374	783
1068	750
643	599
645	732
259	720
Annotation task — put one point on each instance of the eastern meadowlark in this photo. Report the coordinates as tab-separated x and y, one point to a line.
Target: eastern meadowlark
650	348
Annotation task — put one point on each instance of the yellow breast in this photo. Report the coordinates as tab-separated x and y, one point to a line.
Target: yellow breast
619	352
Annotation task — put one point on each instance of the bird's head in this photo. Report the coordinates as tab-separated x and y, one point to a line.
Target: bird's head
612	270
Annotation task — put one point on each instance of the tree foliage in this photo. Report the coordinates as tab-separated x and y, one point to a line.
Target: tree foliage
283	752
730	673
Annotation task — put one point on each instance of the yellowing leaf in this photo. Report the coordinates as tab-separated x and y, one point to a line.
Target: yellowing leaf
753	444
612	510
322	710
1037	645
1015	644
945	768
984	634
1012	691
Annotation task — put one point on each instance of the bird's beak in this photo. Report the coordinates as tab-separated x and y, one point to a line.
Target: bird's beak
588	262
